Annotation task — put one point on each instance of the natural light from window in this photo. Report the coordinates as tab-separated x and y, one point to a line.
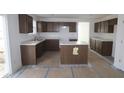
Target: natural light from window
83	31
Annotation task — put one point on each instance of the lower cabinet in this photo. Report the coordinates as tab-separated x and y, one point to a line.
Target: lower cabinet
102	47
51	45
30	53
92	44
40	49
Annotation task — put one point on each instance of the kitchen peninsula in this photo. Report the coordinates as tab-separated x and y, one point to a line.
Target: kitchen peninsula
73	52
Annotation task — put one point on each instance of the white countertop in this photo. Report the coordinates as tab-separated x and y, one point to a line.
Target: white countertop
32	43
72	43
102	39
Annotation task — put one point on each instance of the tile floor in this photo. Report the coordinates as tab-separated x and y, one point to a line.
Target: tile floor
49	67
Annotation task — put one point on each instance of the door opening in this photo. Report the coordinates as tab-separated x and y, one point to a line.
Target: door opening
4	58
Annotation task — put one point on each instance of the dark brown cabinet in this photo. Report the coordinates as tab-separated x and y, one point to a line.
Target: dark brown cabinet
113	21
97	27
41	26
50	27
98	46
72	26
51	44
30	53
40	49
67	56
93	44
105	26
55	26
102	47
25	23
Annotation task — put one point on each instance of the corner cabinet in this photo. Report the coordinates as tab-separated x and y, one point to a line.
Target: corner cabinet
25	23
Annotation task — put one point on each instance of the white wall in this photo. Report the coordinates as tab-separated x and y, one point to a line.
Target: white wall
15	39
83	32
119	56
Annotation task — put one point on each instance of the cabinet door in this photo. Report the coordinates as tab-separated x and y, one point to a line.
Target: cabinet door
72	27
99	46
93	44
113	21
52	45
56	26
106	26
96	27
44	26
25	23
110	28
49	26
99	27
102	27
39	26
22	23
107	48
39	50
30	24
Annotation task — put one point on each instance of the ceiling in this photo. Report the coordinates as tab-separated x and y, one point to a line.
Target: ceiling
75	16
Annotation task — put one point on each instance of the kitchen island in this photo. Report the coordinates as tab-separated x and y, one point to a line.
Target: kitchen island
73	52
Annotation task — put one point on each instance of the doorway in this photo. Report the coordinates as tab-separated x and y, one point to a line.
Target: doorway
4	61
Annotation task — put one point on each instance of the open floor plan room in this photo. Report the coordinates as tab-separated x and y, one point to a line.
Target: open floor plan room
62	45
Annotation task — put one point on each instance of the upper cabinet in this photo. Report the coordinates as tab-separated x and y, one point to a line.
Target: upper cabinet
55	26
25	23
72	26
113	21
105	26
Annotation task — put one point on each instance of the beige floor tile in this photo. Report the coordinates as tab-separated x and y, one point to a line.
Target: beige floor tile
34	72
106	72
84	72
50	59
99	68
60	72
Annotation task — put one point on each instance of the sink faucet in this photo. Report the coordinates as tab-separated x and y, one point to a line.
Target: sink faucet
35	38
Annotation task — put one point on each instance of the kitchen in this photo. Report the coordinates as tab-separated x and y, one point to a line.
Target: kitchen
55	44
32	50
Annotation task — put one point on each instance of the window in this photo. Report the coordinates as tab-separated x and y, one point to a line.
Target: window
83	32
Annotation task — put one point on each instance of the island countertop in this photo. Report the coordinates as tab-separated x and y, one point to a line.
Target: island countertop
72	43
